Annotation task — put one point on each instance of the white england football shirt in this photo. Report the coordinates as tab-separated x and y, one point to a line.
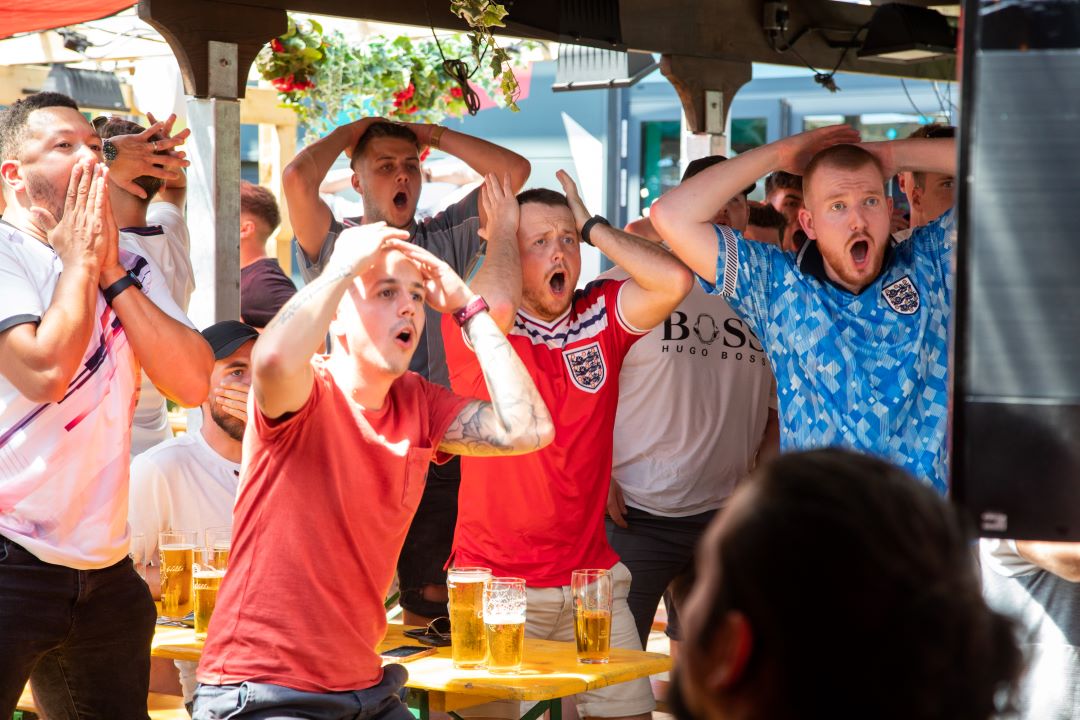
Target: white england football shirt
64	466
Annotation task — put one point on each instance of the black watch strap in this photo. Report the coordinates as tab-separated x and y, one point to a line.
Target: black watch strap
120	286
588	226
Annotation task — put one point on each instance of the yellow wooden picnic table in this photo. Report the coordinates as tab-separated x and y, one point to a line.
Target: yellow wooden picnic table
550	672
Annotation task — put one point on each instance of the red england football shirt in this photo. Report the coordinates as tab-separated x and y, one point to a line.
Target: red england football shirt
540	516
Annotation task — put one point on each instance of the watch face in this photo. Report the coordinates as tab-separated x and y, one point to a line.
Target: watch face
109	151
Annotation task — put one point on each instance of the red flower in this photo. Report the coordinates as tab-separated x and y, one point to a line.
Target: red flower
276	46
424	155
283	84
412	110
456	92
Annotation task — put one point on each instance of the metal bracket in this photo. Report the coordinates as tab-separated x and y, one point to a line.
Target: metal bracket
224	81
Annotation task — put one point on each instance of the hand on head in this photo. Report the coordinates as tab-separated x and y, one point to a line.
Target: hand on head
141	154
577	206
446	291
355	129
796	152
501	210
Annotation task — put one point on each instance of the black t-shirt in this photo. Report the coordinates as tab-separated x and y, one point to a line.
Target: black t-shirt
264	289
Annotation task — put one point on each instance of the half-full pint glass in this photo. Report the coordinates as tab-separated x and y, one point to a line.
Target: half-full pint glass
219	541
591	590
177	549
468	646
504	623
206	581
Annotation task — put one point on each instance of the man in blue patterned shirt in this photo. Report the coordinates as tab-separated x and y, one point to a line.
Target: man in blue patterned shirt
855	324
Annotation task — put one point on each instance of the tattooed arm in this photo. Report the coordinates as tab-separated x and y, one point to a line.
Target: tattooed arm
281	360
516	421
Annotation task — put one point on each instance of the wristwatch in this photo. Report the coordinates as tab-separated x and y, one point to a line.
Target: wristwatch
475	306
588	226
110	151
120	286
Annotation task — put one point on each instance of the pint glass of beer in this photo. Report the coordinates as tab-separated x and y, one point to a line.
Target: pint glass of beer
177	549
206	581
468	646
504	624
591	590
219	541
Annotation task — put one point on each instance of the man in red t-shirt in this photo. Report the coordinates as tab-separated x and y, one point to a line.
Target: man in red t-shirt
541	516
336	455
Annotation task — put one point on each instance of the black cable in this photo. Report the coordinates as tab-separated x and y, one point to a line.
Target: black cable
913	105
458	70
821	78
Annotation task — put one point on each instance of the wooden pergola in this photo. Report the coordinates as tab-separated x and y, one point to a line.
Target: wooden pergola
707	48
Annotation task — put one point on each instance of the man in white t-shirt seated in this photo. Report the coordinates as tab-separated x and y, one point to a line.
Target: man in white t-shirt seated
190	481
705	374
154	227
79	316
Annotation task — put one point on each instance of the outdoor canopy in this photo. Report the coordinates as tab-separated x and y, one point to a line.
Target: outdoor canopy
21	16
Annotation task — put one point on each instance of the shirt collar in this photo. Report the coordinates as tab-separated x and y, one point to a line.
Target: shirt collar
810	262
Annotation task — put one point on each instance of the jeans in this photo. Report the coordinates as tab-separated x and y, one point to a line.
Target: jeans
263	701
658	550
81	636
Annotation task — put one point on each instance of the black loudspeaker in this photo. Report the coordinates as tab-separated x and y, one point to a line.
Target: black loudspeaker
1016	350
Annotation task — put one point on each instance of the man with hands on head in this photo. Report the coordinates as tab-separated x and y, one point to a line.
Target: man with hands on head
385	160
335	463
79	316
855	325
549	520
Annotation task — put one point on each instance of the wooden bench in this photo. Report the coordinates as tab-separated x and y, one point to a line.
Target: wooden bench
160	707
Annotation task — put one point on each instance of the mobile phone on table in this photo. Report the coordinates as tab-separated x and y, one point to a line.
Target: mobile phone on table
405	653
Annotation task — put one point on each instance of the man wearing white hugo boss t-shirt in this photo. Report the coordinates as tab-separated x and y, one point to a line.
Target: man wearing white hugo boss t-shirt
189	482
153	227
78	316
696	407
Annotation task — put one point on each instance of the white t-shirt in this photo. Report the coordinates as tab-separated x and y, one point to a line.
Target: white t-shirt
166	243
694	396
181	484
64	466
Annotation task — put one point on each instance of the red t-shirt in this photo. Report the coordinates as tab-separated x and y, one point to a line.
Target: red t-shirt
325	500
540	516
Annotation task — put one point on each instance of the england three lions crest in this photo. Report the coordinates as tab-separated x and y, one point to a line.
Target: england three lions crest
902	296
586	366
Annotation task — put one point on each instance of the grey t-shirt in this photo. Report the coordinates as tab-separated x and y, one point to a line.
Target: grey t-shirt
450	235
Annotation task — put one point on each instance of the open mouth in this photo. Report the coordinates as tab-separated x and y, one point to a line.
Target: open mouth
558	283
401	200
404	337
860	251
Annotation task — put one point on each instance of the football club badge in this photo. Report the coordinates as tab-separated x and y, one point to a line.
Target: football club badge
586	366
902	296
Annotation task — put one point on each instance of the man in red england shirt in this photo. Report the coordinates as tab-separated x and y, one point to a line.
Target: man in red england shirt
541	516
336	452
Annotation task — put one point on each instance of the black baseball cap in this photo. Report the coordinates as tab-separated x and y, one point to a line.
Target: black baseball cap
227	336
700	164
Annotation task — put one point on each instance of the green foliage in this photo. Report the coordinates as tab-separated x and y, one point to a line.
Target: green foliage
482	15
321	76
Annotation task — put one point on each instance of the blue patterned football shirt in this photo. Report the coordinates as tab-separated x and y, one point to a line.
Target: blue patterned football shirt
867	371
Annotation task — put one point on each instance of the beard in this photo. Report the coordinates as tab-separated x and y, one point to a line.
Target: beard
232	426
42	194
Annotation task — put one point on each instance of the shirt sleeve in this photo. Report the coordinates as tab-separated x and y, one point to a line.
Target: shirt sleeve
264	295
1003	558
466	377
311	269
443	408
622	333
269	429
936	241
20	300
154	285
743	270
172	222
149	502
453	234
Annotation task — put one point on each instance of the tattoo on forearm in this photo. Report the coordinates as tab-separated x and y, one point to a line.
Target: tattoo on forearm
308	293
514	421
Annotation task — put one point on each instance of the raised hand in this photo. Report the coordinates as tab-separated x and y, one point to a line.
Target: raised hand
577	206
141	154
501	208
446	291
232	398
796	152
76	235
354	130
358	247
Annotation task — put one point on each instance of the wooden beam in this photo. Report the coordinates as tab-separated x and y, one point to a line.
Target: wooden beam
260	107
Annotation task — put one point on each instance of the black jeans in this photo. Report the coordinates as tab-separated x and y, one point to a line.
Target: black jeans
658	550
429	540
82	636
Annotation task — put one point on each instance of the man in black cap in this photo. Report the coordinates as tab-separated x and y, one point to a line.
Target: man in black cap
189	482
